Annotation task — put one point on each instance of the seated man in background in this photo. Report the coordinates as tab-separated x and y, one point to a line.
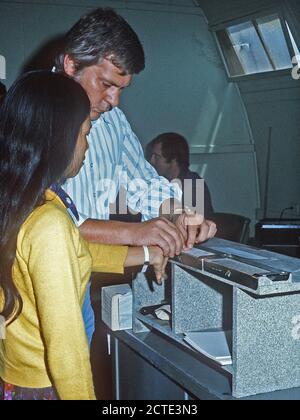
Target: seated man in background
170	155
2	91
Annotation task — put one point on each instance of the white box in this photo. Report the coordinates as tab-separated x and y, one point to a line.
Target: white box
117	306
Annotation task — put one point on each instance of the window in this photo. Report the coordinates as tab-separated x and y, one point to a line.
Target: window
256	46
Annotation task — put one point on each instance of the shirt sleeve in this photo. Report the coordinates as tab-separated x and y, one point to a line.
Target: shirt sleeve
108	258
146	190
54	268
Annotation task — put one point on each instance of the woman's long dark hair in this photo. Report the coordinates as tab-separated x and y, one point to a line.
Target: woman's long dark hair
40	120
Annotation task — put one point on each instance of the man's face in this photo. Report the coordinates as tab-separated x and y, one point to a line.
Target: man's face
103	84
159	162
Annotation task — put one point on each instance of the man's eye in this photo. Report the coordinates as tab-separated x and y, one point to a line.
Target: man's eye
106	85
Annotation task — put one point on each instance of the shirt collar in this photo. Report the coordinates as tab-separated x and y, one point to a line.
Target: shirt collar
66	200
103	117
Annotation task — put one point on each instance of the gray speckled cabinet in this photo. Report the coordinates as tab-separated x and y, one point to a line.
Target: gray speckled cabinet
266	351
265	321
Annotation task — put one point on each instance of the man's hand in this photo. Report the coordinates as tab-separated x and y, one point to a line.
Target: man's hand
196	228
161	232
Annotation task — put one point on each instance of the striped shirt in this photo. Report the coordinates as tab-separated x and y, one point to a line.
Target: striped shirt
115	162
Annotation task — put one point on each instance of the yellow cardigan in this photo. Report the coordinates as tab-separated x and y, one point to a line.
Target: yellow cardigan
46	345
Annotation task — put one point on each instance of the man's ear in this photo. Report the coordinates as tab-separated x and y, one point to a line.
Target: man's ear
69	65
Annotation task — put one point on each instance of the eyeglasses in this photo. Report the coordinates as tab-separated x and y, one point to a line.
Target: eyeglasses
157	156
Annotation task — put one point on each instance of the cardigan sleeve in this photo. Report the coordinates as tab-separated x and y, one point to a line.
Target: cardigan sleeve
54	268
108	258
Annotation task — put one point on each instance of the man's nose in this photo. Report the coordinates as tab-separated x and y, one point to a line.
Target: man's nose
113	98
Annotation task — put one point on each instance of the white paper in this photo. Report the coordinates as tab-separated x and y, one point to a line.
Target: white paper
213	344
163	312
196	252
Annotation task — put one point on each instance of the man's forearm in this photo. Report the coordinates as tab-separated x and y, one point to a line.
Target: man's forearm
158	231
107	232
122	233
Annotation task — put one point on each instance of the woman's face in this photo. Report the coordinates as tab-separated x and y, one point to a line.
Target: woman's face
81	148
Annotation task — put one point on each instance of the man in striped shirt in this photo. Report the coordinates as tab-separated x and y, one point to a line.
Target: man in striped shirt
102	52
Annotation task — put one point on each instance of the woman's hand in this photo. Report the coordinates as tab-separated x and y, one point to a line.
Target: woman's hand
158	261
135	257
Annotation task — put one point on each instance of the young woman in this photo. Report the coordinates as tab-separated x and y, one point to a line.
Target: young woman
44	262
